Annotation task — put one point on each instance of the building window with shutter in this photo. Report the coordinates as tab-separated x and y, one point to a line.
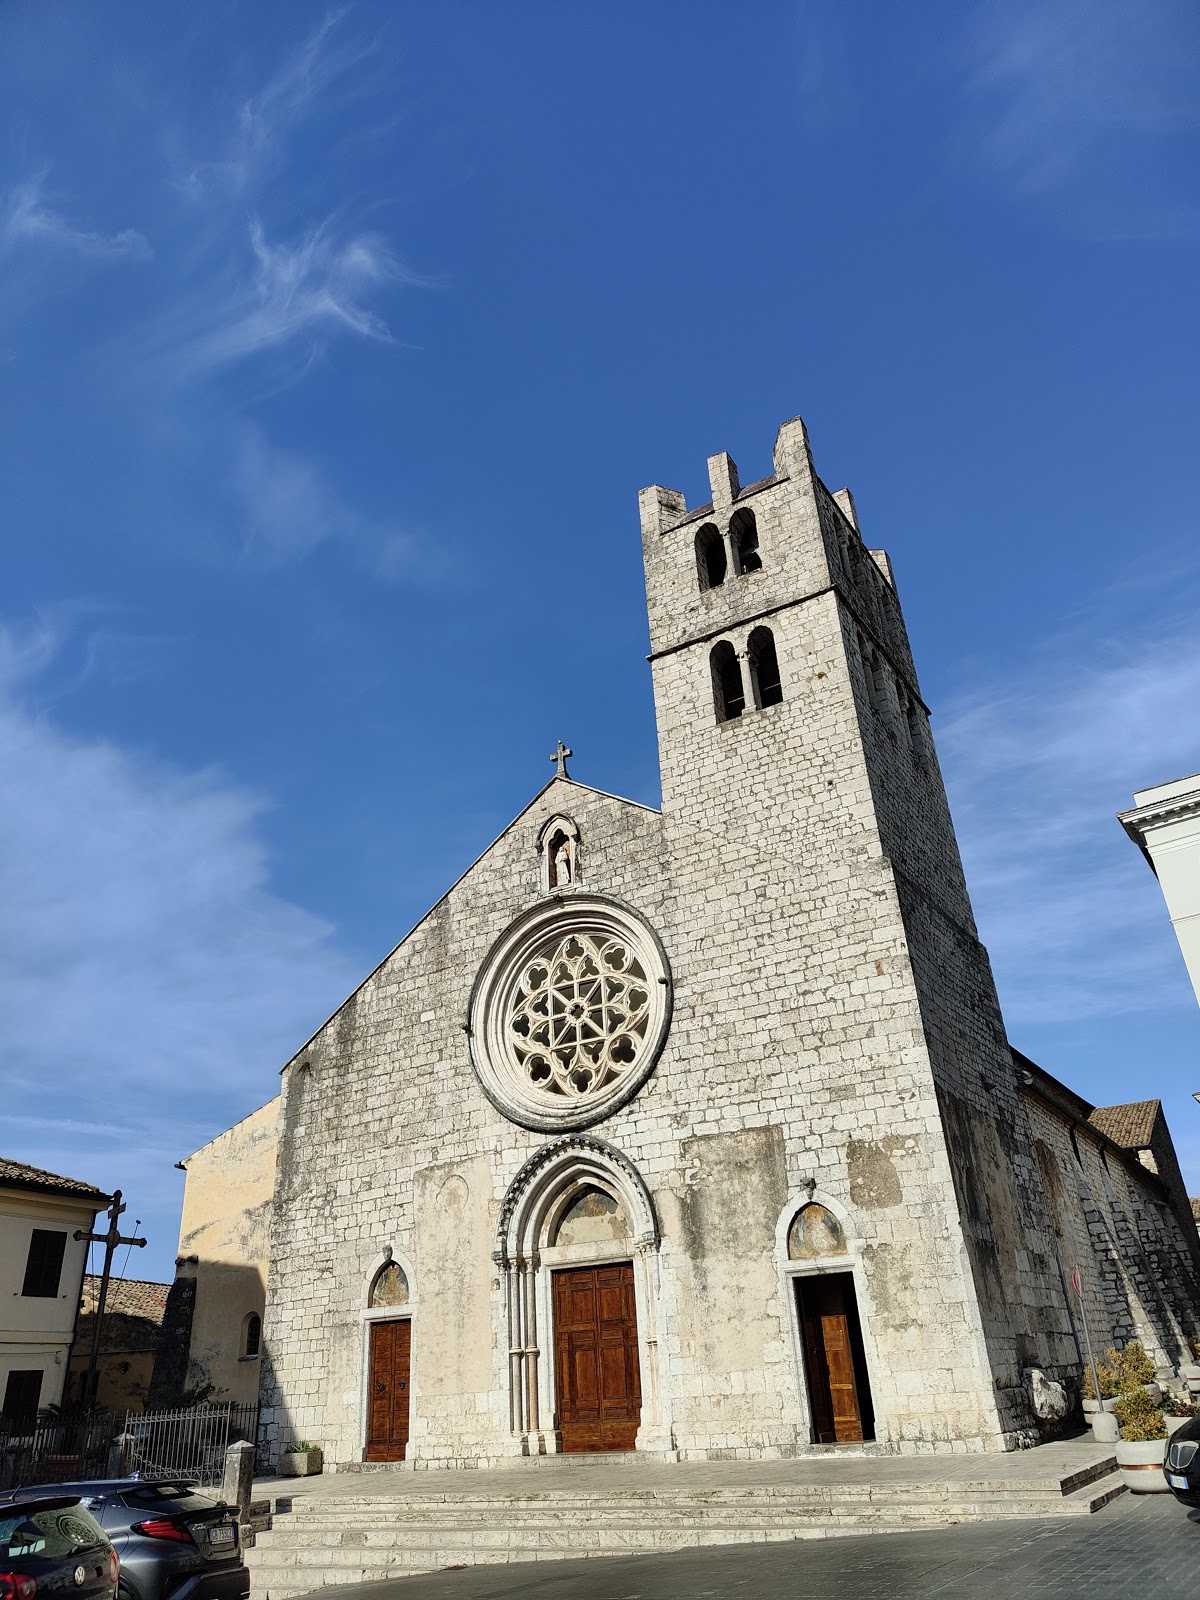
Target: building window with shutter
22	1392
43	1268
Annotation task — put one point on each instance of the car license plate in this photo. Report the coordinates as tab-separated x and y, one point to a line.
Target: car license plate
1177	1480
224	1534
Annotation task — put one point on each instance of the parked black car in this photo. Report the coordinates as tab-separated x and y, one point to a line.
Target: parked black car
1183	1463
171	1540
51	1544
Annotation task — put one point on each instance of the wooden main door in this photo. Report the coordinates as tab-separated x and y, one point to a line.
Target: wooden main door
387	1391
596	1357
834	1360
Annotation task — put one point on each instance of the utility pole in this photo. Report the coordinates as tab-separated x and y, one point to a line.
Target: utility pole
111	1240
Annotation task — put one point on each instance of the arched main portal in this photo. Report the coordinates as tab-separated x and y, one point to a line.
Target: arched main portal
577	1247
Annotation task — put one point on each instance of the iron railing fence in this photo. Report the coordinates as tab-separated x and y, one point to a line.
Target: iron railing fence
189	1443
62	1451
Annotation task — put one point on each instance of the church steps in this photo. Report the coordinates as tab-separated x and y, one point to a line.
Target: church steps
639	1504
334	1541
280	1575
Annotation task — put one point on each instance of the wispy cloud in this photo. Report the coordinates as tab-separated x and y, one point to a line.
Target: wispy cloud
304	291
1071	105
1037	766
287	507
254	143
150	968
28	219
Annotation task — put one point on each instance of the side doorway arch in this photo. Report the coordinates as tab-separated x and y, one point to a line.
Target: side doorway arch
821	1269
387	1360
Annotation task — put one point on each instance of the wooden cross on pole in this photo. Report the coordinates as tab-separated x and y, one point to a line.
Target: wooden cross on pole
111	1239
560	756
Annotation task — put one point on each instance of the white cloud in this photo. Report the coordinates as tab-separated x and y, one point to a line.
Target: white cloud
153	980
287	508
1070	104
301	290
255	144
28	219
1037	767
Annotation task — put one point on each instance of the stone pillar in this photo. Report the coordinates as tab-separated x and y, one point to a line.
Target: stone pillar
237	1486
120	1456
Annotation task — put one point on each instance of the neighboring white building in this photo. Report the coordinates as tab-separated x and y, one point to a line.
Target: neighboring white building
1166	825
41	1274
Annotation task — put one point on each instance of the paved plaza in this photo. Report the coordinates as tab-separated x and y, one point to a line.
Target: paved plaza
1145	1546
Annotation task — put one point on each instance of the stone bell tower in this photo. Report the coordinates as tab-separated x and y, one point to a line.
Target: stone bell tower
829	979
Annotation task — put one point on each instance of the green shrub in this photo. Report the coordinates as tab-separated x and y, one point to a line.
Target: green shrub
1133	1367
1106	1375
298	1447
1139	1417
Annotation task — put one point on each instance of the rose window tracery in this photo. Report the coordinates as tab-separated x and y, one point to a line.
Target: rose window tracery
569	1013
580	1014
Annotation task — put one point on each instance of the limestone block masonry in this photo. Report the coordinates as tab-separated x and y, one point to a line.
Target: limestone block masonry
767	996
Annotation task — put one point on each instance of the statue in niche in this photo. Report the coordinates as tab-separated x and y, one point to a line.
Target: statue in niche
562	865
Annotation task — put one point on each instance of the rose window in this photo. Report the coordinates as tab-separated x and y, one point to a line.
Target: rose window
580	1014
569	1013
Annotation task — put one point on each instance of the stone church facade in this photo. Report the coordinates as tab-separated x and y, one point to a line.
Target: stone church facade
696	1132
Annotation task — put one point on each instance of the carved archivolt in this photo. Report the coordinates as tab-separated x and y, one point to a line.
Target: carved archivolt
569	1012
526	1254
558	1168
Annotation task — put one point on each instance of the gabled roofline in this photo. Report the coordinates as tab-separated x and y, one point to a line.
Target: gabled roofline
379	965
183	1160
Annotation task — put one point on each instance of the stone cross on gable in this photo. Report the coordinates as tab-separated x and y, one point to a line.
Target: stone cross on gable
560	756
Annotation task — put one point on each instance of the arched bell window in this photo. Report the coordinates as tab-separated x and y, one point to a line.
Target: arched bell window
764	668
390	1287
743	535
729	696
815	1232
710	557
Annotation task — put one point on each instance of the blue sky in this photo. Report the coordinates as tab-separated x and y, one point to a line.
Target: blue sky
334	348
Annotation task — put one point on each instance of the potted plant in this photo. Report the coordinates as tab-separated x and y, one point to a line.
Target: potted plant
1177	1409
301	1459
1093	1402
1142	1445
1135	1370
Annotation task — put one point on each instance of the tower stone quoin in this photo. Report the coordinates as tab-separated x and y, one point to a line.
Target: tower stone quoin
696	1131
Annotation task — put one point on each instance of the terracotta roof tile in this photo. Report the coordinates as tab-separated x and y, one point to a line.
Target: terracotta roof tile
1131	1126
127	1297
16	1175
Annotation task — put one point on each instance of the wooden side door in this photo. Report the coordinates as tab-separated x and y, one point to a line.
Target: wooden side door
387	1391
830	1328
597	1367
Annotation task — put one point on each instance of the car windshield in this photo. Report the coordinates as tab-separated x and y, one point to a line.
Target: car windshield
47	1532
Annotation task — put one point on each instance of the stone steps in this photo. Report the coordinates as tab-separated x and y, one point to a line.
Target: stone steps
274	1579
338	1539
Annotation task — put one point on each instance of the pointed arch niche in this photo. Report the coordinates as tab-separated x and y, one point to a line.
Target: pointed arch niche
558	854
576	1202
